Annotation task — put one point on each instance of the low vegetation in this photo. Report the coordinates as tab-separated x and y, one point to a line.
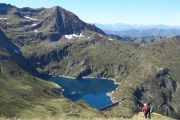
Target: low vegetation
23	96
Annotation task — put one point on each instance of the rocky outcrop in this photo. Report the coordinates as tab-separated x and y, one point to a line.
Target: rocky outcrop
159	93
63	22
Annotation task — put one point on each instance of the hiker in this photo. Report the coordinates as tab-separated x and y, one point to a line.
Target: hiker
146	111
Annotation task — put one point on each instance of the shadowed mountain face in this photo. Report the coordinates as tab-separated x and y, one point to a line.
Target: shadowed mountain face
7	45
4	54
4	8
65	22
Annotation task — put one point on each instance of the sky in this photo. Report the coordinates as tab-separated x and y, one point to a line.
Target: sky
141	12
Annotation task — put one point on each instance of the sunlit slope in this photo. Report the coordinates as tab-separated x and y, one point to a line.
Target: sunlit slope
26	97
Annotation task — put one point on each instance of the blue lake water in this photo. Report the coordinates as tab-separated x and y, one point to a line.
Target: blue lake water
91	90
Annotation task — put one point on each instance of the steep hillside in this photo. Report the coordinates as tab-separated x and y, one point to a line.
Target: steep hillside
15	53
79	56
23	96
145	73
26	97
154	80
27	24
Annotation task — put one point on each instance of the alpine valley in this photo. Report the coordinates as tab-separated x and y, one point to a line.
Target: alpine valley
52	42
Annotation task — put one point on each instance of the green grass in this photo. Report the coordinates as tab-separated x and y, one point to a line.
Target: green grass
26	97
132	65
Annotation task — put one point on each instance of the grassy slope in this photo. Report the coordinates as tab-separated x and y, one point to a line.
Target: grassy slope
24	96
131	65
154	116
75	54
154	59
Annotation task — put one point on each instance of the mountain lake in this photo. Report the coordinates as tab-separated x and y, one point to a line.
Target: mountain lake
91	90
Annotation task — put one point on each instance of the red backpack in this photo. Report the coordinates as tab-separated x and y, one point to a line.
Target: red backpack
145	109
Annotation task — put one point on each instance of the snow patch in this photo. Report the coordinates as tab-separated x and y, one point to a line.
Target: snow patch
35	31
71	36
110	39
68	36
2	18
27	17
81	35
100	35
88	37
34	24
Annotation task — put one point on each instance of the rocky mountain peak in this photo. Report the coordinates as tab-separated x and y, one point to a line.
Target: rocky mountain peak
53	23
4	8
64	22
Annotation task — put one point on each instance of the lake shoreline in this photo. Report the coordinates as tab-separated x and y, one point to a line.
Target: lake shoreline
113	79
108	94
66	77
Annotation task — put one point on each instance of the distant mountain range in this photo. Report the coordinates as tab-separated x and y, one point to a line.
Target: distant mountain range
126	30
123	27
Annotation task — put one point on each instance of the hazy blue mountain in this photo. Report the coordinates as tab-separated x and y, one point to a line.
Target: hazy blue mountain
148	32
140	30
123	27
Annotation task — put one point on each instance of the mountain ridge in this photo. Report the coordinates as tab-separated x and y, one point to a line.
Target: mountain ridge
146	33
123	26
54	22
126	30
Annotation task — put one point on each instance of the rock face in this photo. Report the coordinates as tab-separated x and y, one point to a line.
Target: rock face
64	22
160	92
